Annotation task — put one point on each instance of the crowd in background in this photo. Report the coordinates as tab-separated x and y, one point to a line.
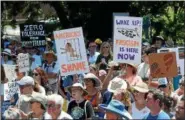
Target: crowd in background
45	94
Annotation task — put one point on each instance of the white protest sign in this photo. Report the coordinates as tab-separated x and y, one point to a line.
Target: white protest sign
127	39
71	52
181	51
23	62
10	89
10	72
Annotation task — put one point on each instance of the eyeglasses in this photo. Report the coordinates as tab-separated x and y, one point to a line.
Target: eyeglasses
51	105
92	46
35	74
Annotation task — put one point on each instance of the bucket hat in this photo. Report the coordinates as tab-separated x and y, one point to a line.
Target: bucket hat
79	85
49	52
141	87
117	84
94	78
39	98
116	107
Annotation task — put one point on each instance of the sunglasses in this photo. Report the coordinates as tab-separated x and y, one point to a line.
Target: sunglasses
106	47
35	74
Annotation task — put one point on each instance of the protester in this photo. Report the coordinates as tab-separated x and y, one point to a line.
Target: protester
143	69
154	103
93	69
179	115
129	73
101	76
51	68
164	86
26	89
93	85
168	104
115	110
54	108
79	108
105	56
93	54
6	57
180	91
158	42
139	108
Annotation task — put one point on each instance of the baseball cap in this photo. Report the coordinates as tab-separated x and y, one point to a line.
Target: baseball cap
26	80
162	82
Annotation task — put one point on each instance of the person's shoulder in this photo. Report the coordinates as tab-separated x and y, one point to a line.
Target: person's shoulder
163	115
64	115
146	116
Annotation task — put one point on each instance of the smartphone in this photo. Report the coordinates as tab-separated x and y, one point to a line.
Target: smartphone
116	67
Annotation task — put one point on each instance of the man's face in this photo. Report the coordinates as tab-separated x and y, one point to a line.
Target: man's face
25	89
180	111
150	101
92	47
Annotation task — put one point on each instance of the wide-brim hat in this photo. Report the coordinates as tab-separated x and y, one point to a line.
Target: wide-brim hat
94	78
131	64
159	38
79	85
39	98
141	87
117	84
49	52
116	107
7	52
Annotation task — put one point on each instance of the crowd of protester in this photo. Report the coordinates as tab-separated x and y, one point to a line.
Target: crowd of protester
45	94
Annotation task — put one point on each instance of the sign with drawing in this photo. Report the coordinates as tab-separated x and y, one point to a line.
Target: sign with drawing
179	52
127	39
10	72
23	62
163	64
71	52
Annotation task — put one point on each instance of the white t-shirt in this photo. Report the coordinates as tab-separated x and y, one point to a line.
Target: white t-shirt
42	90
143	70
63	116
139	114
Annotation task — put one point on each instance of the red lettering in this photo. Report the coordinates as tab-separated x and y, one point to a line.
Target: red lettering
73	67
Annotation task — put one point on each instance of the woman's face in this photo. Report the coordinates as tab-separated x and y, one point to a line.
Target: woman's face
106	48
89	83
36	75
36	108
139	97
93	71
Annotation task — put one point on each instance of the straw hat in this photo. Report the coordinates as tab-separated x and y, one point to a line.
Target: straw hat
49	52
94	78
79	85
141	87
117	84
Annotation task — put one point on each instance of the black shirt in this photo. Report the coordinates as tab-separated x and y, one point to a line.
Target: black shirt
77	111
107	60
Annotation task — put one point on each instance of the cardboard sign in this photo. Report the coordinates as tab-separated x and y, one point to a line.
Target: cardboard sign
163	64
10	89
10	72
71	52
23	62
179	57
33	34
127	39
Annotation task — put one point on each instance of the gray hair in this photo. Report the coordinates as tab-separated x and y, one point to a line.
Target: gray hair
57	99
12	113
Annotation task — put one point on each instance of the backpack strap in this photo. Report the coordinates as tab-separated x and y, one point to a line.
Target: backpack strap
85	108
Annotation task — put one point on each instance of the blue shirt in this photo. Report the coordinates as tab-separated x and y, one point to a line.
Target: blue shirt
162	115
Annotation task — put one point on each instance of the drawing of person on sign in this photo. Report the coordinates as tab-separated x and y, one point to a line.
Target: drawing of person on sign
70	51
